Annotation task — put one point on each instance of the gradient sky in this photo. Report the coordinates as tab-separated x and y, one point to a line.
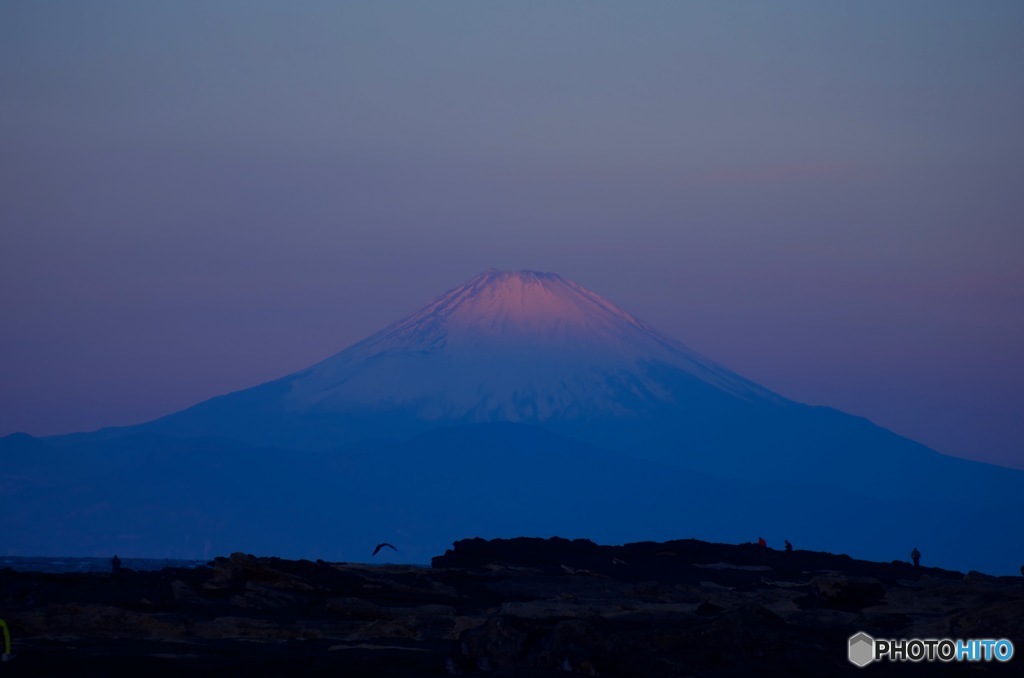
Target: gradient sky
196	197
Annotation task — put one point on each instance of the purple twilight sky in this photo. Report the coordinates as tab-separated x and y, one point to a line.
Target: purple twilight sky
826	197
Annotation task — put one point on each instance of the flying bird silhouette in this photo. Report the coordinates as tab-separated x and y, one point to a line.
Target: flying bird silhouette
382	545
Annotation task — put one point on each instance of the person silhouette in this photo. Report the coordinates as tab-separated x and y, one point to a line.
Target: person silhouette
789	547
115	565
915	555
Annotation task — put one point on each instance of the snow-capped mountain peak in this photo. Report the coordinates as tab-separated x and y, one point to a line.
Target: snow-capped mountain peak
514	346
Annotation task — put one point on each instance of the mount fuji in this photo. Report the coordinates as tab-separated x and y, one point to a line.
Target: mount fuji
518	403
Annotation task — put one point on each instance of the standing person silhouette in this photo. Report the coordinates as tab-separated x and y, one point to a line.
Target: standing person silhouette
915	555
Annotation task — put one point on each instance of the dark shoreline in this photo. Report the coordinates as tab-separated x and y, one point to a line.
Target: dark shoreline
526	607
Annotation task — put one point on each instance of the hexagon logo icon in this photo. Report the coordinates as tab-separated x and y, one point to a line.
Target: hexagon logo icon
862	649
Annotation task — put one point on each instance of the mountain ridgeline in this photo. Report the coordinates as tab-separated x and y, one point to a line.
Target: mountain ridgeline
518	403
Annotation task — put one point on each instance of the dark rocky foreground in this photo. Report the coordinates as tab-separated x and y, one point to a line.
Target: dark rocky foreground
521	607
